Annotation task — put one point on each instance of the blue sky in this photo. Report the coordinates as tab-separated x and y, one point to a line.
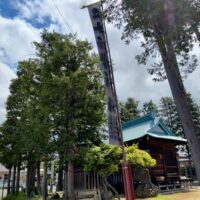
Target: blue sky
21	22
10	9
7	9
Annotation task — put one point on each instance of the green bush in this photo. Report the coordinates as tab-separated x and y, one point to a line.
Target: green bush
139	158
20	196
105	159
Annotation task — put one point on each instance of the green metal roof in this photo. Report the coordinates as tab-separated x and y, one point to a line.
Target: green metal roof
148	125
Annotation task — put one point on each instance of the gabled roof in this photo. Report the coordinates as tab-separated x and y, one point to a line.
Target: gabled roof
148	125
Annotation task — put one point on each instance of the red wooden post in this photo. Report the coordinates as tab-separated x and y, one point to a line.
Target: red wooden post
128	181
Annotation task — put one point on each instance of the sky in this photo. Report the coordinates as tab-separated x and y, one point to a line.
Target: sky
21	22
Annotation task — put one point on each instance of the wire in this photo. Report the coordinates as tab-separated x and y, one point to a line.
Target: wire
65	21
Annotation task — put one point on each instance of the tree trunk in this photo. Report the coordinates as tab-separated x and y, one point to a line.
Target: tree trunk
70	181
44	182
65	181
179	95
60	174
30	180
107	184
9	178
38	178
2	189
18	179
52	177
13	180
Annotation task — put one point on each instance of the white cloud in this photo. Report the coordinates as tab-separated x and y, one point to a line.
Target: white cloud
16	40
6	75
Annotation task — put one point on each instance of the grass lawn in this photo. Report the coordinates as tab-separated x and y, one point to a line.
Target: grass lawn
162	197
192	195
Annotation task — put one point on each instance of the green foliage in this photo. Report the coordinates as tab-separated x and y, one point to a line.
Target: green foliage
129	109
149	107
156	23
20	196
105	159
56	103
72	92
168	111
195	110
139	158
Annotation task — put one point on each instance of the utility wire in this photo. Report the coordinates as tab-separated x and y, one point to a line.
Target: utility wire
60	13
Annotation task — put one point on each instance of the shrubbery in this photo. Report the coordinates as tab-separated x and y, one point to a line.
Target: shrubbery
20	196
105	159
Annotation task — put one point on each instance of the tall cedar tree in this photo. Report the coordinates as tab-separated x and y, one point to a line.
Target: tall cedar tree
168	111
195	110
24	117
167	27
56	106
34	127
149	107
129	109
11	147
72	96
